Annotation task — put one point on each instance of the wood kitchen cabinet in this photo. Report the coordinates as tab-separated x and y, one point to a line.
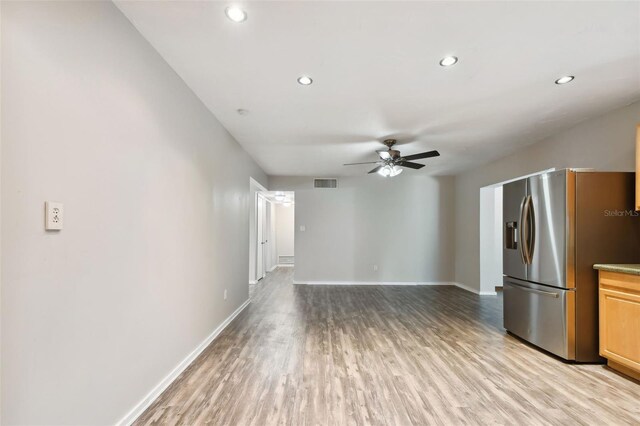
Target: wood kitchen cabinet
620	321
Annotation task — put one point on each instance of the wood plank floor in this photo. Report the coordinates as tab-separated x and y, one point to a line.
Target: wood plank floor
359	355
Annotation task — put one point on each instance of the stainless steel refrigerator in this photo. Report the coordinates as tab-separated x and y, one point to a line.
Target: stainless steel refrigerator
556	226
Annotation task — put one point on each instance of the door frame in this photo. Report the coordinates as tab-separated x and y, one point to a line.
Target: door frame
261	237
254	188
487	235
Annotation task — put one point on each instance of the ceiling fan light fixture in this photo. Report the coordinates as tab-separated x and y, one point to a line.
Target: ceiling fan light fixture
385	171
390	171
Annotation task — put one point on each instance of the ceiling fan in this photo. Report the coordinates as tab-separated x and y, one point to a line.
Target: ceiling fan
390	163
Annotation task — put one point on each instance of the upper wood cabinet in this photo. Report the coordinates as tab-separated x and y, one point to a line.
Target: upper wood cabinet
638	167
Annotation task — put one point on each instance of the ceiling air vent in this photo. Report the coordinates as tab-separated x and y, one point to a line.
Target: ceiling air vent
325	183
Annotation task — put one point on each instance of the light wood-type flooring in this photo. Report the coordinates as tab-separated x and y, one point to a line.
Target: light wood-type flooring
393	355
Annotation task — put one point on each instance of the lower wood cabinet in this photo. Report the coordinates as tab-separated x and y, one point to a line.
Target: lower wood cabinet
620	321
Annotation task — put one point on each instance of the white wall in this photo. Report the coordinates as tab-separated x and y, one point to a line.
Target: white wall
402	224
604	143
285	225
156	221
490	239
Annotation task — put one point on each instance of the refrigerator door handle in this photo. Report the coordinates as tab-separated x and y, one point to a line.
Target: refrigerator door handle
531	216
522	237
525	230
536	291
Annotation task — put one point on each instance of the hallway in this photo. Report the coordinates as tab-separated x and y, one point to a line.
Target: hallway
383	355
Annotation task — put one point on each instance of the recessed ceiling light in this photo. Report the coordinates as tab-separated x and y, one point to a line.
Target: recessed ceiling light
304	80
235	14
448	61
564	80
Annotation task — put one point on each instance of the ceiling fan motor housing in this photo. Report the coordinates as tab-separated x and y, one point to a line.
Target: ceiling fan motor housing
393	153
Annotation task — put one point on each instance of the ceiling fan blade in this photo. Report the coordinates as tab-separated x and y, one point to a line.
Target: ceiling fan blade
375	170
427	154
355	164
384	155
411	165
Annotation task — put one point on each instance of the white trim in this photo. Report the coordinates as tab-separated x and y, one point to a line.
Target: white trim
132	415
405	283
504	182
253	282
285	265
258	184
273	267
414	283
473	290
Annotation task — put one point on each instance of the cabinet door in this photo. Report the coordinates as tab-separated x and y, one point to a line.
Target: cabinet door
620	326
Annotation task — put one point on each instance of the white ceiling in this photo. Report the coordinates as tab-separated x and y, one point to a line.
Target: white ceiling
376	74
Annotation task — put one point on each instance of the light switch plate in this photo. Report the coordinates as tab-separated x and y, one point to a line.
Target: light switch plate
54	218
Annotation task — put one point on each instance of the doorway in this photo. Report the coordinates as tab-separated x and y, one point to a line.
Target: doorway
272	226
262	227
285	227
491	235
255	189
490	239
275	231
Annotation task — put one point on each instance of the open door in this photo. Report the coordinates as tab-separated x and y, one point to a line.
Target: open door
261	240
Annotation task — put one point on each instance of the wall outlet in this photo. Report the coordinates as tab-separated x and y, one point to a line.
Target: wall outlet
225	294
53	216
375	268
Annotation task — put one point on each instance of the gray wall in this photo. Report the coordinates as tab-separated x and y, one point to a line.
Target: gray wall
156	221
604	143
402	224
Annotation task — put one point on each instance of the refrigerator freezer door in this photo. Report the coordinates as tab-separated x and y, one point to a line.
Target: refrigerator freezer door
547	238
513	195
544	316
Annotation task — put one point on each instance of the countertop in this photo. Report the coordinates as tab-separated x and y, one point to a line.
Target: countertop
633	269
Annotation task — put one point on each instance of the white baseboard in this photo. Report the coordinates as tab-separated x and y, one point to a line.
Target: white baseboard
132	415
414	283
273	267
285	265
252	282
450	283
473	290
